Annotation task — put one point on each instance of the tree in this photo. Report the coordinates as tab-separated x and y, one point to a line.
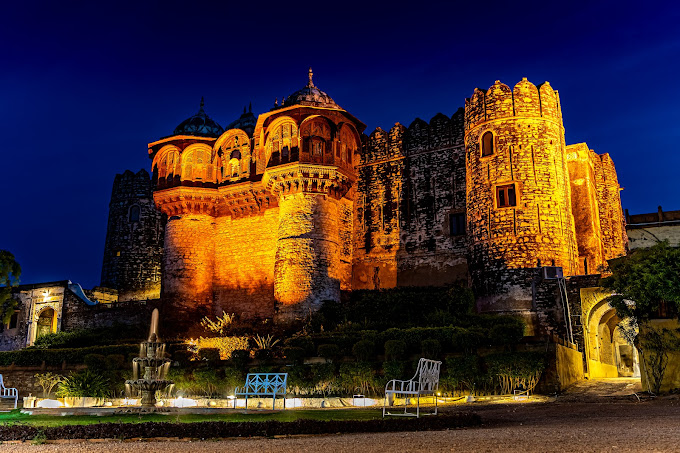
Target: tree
646	285
9	277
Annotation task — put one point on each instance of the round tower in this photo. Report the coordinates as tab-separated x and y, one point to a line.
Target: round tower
518	193
309	148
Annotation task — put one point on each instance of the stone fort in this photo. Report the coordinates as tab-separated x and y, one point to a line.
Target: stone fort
277	213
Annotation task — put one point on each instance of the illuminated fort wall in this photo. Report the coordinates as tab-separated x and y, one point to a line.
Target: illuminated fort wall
273	222
260	226
411	189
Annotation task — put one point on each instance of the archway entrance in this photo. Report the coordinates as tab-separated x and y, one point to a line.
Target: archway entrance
47	323
608	353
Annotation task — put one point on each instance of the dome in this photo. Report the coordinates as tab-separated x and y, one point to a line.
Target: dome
200	125
245	122
310	95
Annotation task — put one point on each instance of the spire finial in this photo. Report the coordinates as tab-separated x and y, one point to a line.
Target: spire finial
202	105
276	102
311	74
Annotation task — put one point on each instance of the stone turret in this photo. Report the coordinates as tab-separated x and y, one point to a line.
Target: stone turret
518	191
133	251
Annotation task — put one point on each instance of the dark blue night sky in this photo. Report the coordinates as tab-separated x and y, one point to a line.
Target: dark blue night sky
84	87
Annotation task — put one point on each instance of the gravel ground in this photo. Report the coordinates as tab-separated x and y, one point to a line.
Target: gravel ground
593	424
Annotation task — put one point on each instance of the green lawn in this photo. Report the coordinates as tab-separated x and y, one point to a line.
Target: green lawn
282	416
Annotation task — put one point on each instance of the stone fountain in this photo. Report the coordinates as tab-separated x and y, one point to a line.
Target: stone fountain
150	369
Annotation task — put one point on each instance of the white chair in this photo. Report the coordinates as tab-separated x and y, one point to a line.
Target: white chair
425	382
9	393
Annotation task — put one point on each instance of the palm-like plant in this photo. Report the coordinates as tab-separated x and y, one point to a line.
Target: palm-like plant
265	342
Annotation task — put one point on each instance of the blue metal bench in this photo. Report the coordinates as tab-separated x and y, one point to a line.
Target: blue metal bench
263	384
9	393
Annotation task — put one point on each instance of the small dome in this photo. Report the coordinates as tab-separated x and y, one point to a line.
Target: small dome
310	95
199	125
245	122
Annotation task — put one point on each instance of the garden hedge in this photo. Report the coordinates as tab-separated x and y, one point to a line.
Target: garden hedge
212	430
35	356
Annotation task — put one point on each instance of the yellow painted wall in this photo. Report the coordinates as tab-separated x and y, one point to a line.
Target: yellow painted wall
671	379
597	369
569	365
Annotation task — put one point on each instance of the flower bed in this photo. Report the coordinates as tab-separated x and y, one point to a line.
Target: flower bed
211	430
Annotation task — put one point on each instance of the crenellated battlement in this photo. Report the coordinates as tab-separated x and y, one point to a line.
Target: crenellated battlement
525	100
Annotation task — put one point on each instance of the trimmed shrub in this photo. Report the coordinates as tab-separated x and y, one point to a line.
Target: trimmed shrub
294	354
306	343
232	378
467	340
394	349
95	362
364	350
220	429
264	354
463	374
182	356
509	334
116	362
358	377
119	333
209	354
511	371
430	348
394	370
329	352
207	381
34	356
240	358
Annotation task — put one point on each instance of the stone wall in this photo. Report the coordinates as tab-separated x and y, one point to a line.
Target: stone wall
23	378
585	207
411	182
245	250
78	315
133	251
307	270
609	202
645	230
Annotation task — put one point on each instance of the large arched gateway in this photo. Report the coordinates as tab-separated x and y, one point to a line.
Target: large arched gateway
607	352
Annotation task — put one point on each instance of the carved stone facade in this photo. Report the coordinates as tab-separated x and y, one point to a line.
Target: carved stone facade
273	218
259	220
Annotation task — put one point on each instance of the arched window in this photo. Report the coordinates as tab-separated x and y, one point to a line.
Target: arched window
196	165
487	144
134	213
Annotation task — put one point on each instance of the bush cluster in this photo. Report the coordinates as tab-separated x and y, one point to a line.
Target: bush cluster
499	373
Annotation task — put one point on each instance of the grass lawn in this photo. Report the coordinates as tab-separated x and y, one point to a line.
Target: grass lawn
17	417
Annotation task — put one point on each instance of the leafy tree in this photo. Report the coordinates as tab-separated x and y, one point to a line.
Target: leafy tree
10	271
645	282
646	285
